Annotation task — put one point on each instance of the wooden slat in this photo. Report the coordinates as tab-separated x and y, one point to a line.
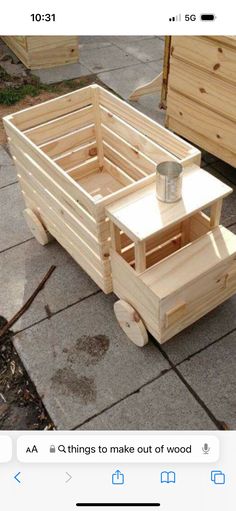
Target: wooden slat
69	142
61	126
103	282
119	174
186	266
217	59
51	168
119	160
213	126
130	152
206	89
135	138
127	285
64	214
83	169
49	184
202	141
145	125
97	120
102	266
52	109
77	156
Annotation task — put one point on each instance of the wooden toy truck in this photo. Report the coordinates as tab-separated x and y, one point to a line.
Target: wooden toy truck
86	165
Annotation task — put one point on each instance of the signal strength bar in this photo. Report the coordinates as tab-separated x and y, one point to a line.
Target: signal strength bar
175	18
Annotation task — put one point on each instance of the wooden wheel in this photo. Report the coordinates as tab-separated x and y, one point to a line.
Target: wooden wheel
36	227
131	323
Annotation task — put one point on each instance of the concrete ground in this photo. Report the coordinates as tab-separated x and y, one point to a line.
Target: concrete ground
86	371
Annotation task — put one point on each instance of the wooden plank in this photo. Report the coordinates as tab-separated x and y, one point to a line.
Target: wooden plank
187	265
97	120
64	214
99	184
51	51
199	190
52	109
103	282
128	286
61	126
115	237
130	152
215	58
84	169
206	89
133	136
118	159
18	44
140	256
77	156
116	172
68	142
53	170
49	184
46	212
214	127
202	141
145	125
216	213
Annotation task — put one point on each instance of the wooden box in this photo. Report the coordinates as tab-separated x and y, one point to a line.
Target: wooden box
78	153
201	93
171	264
44	51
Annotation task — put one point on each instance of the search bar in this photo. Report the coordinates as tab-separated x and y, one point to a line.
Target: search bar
118	449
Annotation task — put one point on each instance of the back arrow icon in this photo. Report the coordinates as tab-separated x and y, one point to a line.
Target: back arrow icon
69	477
16	477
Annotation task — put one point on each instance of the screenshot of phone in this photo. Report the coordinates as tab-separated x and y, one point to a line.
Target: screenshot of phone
117	256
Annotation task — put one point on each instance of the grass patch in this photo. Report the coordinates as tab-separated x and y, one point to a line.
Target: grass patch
14	89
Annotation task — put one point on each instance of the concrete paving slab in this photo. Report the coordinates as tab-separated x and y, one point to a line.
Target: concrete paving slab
104	59
21	270
124	81
60	73
165	404
144	50
212	375
5	159
149	105
13	227
228	216
213	326
81	361
120	40
225	170
7	169
7	175
93	45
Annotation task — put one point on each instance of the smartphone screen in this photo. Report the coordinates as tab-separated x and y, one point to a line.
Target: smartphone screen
117	256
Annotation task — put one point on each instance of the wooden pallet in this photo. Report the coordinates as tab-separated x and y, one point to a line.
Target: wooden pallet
44	51
201	93
80	152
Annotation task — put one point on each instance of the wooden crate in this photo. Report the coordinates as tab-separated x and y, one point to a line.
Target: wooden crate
171	264
80	152
44	51
201	93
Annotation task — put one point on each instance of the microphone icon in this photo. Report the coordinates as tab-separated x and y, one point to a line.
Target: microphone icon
206	449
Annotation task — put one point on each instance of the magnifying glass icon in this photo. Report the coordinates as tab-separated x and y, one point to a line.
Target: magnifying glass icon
61	448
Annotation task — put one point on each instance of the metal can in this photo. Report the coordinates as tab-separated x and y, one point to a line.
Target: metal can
169	181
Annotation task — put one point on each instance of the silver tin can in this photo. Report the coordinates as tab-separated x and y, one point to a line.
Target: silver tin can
169	181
